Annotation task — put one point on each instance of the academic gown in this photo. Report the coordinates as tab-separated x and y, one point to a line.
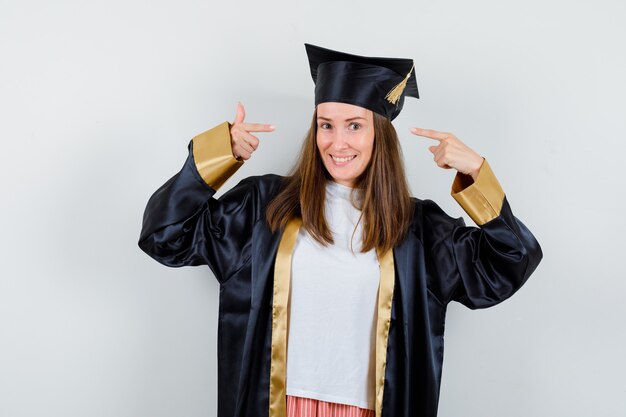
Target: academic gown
440	260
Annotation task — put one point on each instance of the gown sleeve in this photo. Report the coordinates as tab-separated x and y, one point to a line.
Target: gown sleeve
184	225
479	266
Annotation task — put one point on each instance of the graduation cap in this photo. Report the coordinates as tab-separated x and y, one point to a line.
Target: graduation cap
378	84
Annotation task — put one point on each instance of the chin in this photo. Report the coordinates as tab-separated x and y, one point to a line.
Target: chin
343	180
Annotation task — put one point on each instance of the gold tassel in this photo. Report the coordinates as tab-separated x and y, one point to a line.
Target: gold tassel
396	92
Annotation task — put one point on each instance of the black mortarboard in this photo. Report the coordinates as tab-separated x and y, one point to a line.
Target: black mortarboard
378	84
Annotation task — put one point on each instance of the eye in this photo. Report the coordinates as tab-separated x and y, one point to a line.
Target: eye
325	125
355	126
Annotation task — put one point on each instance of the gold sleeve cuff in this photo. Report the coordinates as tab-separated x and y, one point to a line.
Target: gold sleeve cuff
213	155
481	198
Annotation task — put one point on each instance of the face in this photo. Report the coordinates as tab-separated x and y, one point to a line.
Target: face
345	140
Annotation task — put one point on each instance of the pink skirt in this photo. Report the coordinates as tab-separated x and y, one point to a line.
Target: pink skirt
308	407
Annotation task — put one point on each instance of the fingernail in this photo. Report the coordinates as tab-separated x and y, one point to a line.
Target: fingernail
272	127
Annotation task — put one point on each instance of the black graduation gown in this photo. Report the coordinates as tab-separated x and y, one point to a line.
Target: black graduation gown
439	261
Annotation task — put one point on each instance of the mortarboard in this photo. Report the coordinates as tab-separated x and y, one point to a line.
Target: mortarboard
378	84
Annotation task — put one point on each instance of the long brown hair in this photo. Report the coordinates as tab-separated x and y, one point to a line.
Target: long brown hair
385	201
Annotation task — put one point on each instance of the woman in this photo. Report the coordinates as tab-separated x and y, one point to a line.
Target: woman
336	263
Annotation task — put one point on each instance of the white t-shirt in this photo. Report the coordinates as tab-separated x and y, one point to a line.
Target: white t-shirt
333	297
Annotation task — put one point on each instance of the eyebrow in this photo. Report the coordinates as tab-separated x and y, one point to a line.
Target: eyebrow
347	120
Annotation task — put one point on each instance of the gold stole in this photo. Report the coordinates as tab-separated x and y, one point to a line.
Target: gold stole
280	321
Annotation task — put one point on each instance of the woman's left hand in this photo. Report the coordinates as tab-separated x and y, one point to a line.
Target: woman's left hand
451	152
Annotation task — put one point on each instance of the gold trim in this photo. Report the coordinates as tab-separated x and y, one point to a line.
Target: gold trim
280	320
385	299
482	200
213	155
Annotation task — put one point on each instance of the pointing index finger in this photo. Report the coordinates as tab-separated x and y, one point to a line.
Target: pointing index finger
429	133
257	127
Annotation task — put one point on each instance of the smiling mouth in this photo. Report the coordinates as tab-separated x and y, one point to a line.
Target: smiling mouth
342	159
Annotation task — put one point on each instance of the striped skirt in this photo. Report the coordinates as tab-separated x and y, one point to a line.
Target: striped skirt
308	407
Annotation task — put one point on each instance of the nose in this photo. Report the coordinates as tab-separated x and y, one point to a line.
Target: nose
340	140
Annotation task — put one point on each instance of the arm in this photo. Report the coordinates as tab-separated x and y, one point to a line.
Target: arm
480	266
184	225
477	266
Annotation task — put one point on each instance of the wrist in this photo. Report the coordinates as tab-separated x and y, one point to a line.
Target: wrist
474	172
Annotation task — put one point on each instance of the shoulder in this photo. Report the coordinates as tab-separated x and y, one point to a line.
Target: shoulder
429	218
266	185
258	188
251	195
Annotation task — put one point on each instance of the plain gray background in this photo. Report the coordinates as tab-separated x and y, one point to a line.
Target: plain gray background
98	100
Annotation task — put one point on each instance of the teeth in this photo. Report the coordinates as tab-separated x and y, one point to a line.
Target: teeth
345	159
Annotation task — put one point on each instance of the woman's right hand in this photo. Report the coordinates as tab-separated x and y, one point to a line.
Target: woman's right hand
241	141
